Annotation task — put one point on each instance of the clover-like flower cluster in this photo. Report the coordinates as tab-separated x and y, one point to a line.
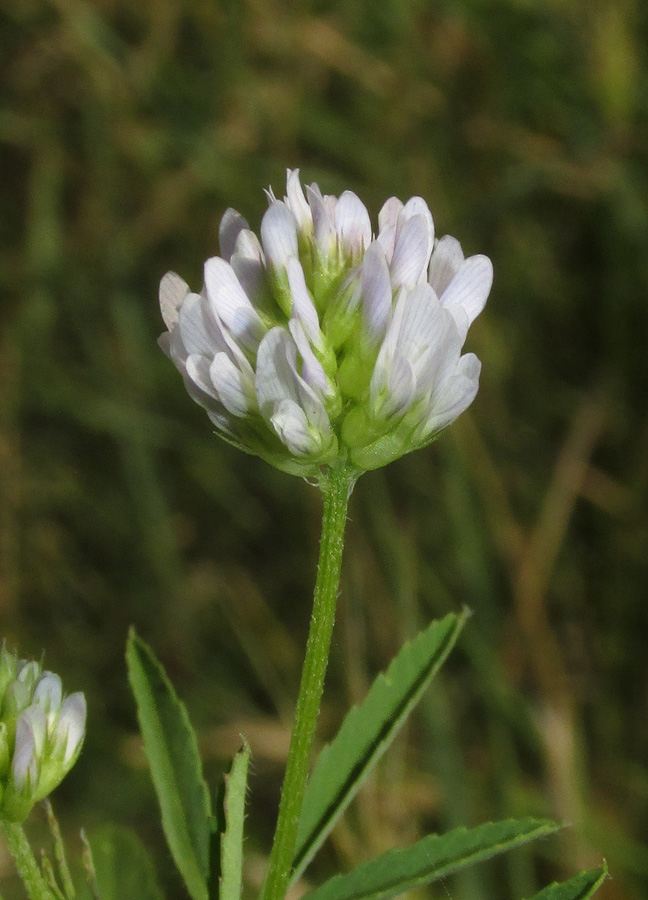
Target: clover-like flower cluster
41	734
321	342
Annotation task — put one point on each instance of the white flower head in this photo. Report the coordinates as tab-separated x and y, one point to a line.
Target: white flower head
322	341
41	734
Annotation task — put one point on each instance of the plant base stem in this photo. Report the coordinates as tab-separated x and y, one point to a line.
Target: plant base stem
23	856
336	488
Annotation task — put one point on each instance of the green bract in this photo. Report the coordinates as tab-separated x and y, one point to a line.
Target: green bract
41	734
322	342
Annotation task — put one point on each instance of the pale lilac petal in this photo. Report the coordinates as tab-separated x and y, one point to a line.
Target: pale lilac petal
322	219
303	306
24	766
279	234
231	225
173	291
70	728
232	305
352	223
471	286
445	262
411	252
376	292
312	370
296	201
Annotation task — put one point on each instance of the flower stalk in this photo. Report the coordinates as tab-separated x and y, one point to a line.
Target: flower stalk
336	486
28	869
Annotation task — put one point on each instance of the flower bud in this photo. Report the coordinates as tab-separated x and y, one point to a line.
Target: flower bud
41	734
324	343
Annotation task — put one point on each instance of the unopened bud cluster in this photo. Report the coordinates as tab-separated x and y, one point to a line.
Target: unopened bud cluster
41	734
322	342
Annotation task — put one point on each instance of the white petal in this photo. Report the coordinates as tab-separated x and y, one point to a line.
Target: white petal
173	291
452	398
291	426
471	286
296	201
279	234
274	371
197	369
231	225
249	273
416	206
388	215
379	378
440	357
303	306
222	420
376	292
277	379
197	328
352	223
248	263
411	252
420	320
233	388
49	692
232	305
445	262
400	385
387	219
28	672
248	245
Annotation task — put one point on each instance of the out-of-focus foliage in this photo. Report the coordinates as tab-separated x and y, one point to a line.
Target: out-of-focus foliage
126	129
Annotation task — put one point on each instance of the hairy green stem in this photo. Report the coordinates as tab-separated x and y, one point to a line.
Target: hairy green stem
336	488
28	869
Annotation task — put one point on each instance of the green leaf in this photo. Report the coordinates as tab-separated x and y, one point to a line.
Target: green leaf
232	837
366	733
123	868
172	751
433	857
580	887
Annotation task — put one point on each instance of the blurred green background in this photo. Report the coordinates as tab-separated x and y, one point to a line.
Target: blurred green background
126	129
